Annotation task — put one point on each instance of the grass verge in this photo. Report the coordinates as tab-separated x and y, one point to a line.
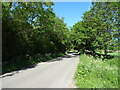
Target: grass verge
97	73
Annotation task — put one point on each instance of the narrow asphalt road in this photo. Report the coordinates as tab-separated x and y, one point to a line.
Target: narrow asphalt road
58	73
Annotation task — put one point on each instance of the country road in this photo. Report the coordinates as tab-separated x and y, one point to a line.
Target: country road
57	73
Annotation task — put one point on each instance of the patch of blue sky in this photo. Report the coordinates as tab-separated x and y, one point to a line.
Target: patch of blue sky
71	11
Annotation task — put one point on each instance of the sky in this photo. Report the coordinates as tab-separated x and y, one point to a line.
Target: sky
71	11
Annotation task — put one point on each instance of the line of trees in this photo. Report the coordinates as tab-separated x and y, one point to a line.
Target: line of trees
32	28
99	29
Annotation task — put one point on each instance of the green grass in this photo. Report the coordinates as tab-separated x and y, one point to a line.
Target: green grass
115	53
95	73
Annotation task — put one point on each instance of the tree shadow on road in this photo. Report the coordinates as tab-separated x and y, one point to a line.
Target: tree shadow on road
17	71
33	66
65	56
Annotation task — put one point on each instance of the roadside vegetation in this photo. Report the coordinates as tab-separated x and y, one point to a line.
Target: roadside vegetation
97	73
32	33
97	37
27	62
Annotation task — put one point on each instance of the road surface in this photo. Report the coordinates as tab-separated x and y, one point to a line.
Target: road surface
58	73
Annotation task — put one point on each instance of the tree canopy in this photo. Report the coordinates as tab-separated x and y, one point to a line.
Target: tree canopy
32	28
99	28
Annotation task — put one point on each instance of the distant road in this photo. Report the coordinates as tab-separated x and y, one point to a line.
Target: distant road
57	73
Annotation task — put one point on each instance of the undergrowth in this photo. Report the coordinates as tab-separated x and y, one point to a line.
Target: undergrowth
97	73
30	61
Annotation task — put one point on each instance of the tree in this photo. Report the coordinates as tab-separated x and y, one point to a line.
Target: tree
98	28
31	28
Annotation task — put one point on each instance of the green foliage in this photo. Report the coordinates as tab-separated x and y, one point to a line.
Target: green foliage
114	53
31	28
99	28
95	73
22	62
